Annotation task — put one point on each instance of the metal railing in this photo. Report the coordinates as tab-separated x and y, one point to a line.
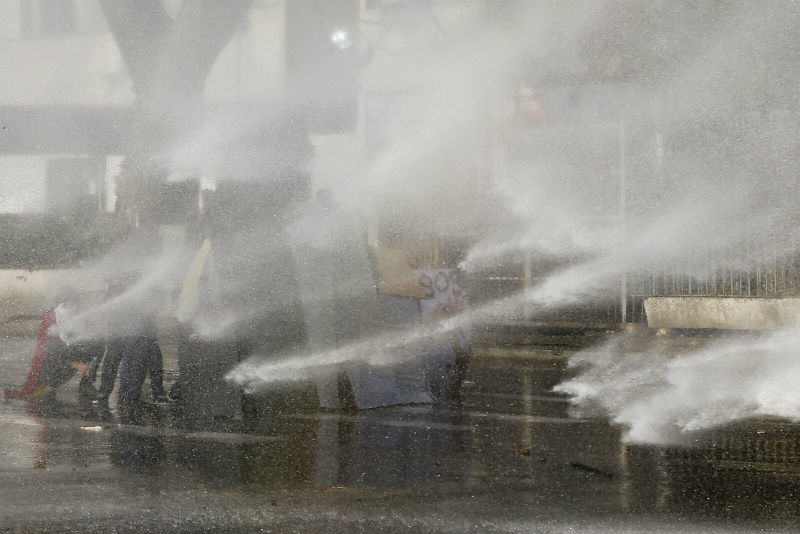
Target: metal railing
773	275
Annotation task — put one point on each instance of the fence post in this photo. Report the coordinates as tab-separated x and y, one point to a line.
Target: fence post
622	215
526	283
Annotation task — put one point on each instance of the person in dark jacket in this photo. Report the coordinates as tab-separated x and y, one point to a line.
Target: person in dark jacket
111	360
115	344
63	360
141	356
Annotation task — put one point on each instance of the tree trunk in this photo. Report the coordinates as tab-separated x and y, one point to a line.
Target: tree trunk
168	61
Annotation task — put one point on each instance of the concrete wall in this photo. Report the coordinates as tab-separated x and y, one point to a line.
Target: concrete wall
724	313
24	296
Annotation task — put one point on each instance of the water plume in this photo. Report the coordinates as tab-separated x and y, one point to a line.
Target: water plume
143	291
666	398
671	92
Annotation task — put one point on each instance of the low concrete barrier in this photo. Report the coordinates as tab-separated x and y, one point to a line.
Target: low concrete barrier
25	295
26	292
723	313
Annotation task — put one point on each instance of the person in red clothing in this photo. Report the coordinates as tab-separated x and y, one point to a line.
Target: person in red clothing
56	357
32	382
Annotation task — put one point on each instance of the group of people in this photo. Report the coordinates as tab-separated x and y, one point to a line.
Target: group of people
125	342
61	352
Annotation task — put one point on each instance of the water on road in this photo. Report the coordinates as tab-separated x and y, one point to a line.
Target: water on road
510	459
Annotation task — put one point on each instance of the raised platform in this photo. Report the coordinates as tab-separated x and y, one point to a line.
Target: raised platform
722	313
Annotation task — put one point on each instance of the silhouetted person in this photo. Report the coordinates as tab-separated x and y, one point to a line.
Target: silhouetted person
108	376
141	355
113	352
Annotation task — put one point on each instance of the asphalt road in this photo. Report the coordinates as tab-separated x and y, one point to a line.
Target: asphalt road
511	459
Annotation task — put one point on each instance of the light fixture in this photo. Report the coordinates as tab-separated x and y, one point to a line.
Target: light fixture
341	39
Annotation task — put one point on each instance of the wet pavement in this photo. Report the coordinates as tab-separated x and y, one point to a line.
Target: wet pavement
511	459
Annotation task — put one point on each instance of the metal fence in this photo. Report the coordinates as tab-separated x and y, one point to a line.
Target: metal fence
774	276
